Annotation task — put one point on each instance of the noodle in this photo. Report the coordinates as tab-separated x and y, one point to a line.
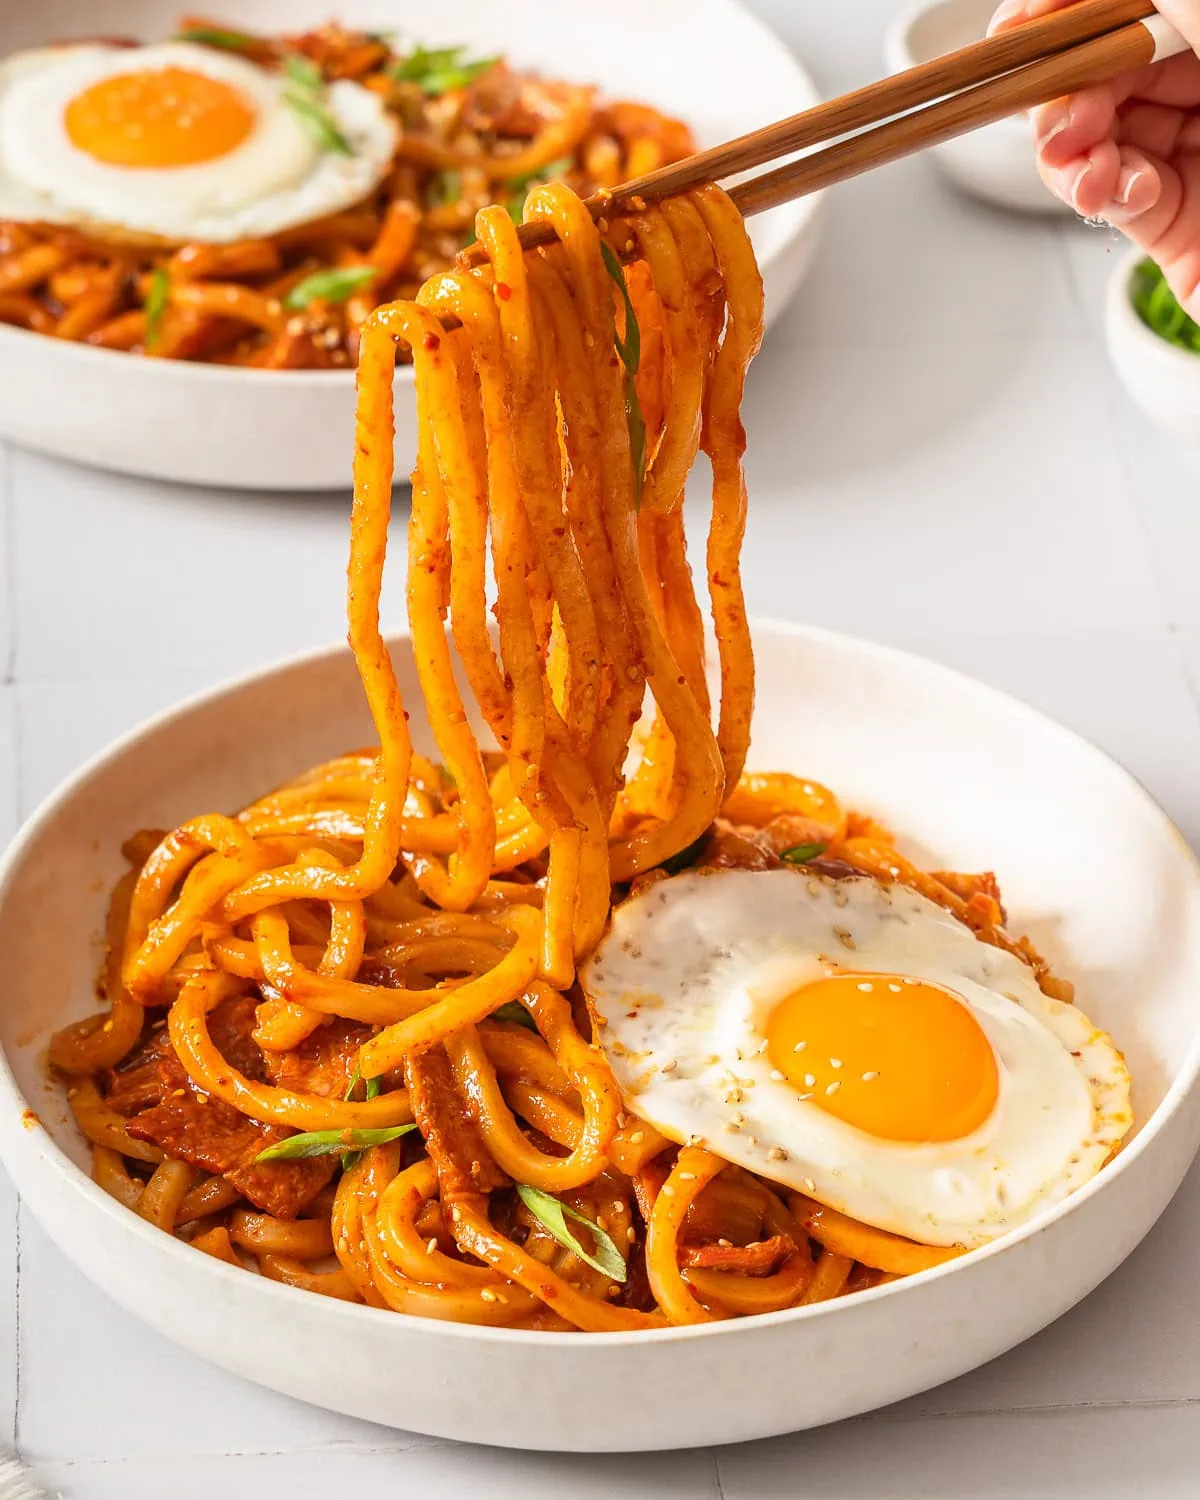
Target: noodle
383	952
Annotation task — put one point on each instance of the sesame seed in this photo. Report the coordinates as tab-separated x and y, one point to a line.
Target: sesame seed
870	1076
629	1235
803	1098
488	1295
776	1076
622	1119
753	1140
895	988
730	1125
810	1080
430	1247
835	1062
617	1206
670	1066
833	1087
810	1185
866	986
762	1046
726	1243
637	1137
777	1153
799	1047
910	981
687	1176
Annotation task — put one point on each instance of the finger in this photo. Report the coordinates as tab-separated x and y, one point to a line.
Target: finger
1015	12
1151	128
1068	128
1117	183
1184	15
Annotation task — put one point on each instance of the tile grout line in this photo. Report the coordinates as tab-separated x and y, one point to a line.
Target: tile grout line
8	519
17	1332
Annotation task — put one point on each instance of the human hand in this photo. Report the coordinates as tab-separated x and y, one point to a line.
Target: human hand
1128	151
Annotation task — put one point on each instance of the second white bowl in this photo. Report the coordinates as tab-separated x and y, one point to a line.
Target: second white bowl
996	163
294	430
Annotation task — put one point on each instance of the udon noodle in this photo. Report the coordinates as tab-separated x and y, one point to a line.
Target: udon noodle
381	955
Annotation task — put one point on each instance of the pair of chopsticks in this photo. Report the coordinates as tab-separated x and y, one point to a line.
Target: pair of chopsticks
1057	54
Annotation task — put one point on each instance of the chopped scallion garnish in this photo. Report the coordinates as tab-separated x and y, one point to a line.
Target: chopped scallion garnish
334	285
553	1214
329	1142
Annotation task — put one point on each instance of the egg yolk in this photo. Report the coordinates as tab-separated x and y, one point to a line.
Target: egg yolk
163	117
894	1056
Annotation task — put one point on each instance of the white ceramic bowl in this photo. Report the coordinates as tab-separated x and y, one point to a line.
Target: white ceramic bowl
1163	380
294	430
1089	866
998	162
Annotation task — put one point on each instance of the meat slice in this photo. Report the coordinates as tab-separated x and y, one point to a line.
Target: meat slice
464	1165
759	1259
323	1063
147	1077
211	1134
231	1027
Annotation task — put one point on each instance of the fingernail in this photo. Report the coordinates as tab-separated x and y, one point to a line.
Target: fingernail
1127	180
1011	10
1046	135
1078	183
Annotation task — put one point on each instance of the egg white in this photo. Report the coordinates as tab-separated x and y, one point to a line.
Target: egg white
279	176
681	988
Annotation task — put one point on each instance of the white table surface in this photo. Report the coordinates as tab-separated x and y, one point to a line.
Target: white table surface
941	458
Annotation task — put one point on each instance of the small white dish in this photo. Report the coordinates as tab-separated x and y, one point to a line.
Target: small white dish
1163	380
1088	864
294	430
998	162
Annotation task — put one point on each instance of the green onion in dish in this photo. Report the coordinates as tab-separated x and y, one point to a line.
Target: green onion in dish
516	1013
305	96
629	348
330	1142
553	1214
800	854
218	36
156	306
437	70
334	285
1154	302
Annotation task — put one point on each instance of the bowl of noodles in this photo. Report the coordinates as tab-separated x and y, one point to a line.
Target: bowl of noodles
486	1016
971	779
233	289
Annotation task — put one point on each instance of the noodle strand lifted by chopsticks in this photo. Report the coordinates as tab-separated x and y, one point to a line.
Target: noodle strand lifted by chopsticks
383	952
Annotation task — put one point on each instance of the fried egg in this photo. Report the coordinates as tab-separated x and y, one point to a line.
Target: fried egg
857	1043
177	141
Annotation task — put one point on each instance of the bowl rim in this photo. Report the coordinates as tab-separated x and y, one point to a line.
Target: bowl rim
794	219
899	55
1137	340
15	1108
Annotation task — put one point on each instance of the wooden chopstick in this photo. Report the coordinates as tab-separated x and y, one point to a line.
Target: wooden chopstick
1068	49
1077	68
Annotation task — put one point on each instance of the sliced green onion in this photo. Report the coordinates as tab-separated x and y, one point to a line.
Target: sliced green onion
512	1011
329	286
686	858
156	305
629	348
551	172
330	1142
305	96
217	36
800	854
319	121
303	72
553	1214
446	187
1156	305
437	70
